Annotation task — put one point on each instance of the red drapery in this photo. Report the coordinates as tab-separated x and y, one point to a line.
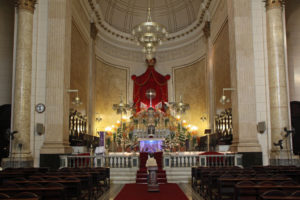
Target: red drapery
144	157
151	79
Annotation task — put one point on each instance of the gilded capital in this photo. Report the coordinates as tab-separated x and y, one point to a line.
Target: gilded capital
274	3
26	4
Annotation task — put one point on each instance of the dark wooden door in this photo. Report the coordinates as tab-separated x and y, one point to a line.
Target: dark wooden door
295	116
5	111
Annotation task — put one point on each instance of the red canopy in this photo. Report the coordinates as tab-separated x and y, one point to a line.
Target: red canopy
151	79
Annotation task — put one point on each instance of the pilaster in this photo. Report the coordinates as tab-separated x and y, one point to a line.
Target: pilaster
58	79
242	78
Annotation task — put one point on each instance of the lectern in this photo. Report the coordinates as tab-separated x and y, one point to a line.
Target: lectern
152	184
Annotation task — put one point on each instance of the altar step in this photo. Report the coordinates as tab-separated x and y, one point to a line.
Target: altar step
179	175
123	175
129	175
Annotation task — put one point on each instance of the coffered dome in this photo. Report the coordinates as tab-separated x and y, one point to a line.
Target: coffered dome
123	15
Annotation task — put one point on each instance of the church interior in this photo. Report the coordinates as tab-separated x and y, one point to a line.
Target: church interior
92	90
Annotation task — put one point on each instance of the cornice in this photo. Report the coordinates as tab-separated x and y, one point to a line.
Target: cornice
186	51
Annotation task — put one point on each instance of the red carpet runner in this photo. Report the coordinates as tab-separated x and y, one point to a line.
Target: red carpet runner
142	174
168	191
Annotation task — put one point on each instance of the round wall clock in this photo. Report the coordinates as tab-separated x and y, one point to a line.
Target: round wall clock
40	108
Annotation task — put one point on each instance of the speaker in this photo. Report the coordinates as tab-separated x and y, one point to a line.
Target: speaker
40	129
295	116
261	127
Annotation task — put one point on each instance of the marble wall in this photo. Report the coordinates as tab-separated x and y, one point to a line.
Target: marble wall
221	68
111	83
7	13
293	47
79	69
190	83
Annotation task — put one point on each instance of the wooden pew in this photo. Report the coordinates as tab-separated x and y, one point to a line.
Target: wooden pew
41	191
259	188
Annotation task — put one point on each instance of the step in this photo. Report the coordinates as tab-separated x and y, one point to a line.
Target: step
144	180
123	175
179	175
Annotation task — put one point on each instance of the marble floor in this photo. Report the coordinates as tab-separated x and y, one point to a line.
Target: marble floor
116	188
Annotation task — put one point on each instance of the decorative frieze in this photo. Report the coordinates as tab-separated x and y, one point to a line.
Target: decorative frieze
26	4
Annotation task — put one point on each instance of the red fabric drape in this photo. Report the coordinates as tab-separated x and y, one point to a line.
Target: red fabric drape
144	157
151	79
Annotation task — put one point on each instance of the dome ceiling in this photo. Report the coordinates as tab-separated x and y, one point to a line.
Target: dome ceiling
175	15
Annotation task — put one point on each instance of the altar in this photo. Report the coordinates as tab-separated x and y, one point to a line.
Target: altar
150	123
151	145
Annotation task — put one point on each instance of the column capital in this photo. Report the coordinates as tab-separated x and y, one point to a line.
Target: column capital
93	31
26	4
274	3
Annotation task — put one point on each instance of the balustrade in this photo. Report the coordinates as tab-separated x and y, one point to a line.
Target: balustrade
225	160
131	160
113	160
185	159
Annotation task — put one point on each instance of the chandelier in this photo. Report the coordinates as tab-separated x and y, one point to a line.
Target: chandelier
149	34
180	108
121	107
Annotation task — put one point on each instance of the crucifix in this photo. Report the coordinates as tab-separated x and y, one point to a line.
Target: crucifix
150	95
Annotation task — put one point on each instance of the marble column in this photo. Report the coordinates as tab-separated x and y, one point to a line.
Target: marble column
57	84
210	79
210	76
21	153
92	81
277	78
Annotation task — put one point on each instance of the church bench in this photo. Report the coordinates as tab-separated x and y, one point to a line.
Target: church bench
104	176
260	188
17	197
40	191
74	183
279	198
226	185
85	182
20	198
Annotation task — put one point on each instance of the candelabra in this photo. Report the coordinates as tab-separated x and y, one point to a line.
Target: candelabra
76	100
223	98
120	109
